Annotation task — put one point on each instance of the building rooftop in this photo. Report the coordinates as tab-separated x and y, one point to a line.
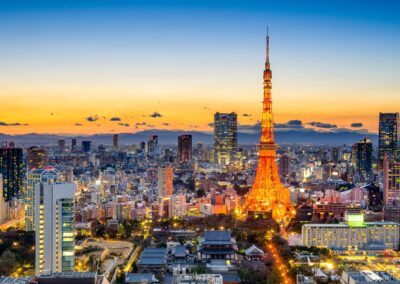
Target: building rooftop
72	274
344	225
153	256
140	278
368	276
10	280
179	251
253	250
217	235
217	238
230	277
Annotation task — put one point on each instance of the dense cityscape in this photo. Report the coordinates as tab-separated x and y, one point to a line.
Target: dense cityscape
110	210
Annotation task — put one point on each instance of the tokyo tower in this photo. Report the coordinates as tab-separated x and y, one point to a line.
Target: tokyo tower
268	196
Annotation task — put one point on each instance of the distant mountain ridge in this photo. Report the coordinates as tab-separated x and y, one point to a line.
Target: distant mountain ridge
300	136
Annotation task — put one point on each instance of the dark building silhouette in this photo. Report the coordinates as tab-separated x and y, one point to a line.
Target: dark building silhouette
185	148
388	135
115	142
362	152
284	167
152	147
375	197
12	170
37	158
61	145
86	145
73	145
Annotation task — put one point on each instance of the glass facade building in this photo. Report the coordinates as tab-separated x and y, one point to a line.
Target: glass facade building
388	136
225	137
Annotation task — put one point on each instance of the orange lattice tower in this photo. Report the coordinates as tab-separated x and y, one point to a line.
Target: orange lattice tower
268	196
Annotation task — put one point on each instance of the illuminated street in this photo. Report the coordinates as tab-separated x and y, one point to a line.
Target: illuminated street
278	263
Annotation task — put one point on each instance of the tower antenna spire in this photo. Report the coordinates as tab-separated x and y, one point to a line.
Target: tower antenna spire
267	43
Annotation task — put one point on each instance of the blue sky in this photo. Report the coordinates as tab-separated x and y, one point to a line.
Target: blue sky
333	61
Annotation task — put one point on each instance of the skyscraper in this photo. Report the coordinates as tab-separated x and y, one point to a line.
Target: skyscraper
165	181
45	176
37	158
388	135
362	152
12	170
225	137
55	241
391	181
267	195
115	142
284	167
152	147
61	146
86	145
185	148
335	155
73	145
2	209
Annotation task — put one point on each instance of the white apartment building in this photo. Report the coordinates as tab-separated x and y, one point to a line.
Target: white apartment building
48	175
354	235
55	241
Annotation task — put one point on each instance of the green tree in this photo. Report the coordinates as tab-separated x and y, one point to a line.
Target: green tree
7	263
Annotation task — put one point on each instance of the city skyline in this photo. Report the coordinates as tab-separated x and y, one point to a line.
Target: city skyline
129	66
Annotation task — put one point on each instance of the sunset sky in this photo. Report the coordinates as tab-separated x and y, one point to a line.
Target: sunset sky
126	66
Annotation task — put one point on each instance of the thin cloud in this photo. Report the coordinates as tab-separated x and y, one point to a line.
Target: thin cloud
92	118
124	124
291	124
12	124
249	128
356	125
155	115
322	125
246	114
78	124
115	119
165	123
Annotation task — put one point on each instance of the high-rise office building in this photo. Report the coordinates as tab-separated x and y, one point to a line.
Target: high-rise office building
115	142
2	205
152	147
185	148
86	145
284	167
73	145
61	146
335	155
54	235
45	176
165	181
388	135
362	152
12	170
391	181
225	137
37	158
